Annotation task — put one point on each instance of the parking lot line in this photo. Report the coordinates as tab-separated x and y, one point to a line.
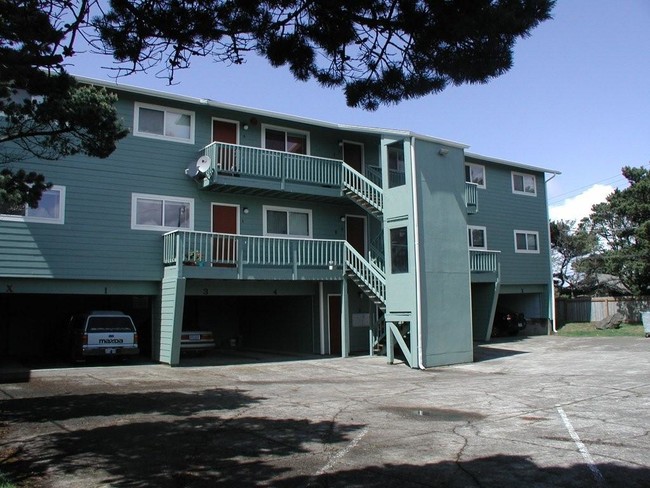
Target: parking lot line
598	477
342	452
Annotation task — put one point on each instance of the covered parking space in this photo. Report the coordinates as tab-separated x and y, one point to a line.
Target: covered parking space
34	326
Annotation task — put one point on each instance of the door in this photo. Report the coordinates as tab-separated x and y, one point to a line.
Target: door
334	320
225	220
353	155
355	233
227	132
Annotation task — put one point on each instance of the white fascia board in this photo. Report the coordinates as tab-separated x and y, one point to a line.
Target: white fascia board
512	163
260	112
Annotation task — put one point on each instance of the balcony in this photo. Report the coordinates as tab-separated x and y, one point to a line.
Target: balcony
484	265
235	168
210	255
471	197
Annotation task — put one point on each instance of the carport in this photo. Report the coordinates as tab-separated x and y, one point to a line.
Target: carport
271	323
34	326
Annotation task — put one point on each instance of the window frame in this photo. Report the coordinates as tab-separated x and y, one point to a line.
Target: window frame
527	233
523	175
397	266
483	229
163	198
310	221
162	137
287	131
60	220
474	165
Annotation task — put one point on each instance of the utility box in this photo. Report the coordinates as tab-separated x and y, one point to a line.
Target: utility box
645	318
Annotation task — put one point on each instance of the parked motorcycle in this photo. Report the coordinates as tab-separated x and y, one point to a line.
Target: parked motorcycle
508	324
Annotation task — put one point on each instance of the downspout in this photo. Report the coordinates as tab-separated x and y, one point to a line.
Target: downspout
321	313
551	290
416	231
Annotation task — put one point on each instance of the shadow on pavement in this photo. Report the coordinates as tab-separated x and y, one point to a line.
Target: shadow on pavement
156	439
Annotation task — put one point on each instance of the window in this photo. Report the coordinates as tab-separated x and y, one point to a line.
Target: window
476	236
475	173
293	222
396	167
524	184
399	254
526	241
50	209
151	212
164	123
286	140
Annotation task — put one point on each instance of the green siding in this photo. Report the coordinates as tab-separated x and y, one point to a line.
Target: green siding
444	266
501	212
97	242
171	317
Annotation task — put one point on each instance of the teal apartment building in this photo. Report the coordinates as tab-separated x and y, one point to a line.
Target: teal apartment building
277	233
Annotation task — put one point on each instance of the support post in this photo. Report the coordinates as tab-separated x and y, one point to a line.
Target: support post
390	347
345	321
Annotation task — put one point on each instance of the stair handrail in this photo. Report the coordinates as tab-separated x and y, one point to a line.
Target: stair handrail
376	253
373	173
362	187
368	275
377	336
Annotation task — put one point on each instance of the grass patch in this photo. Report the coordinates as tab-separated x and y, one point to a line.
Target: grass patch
588	329
5	483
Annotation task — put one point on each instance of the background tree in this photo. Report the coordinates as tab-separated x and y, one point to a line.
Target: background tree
378	51
570	243
45	113
622	224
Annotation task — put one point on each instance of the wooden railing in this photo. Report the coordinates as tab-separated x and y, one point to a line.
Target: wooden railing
471	197
484	261
370	276
363	188
209	248
233	159
373	173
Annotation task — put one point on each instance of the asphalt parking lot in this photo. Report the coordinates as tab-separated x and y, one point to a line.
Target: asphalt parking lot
534	412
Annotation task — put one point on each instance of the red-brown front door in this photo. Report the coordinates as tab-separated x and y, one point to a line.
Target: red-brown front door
225	131
334	315
353	155
355	233
225	220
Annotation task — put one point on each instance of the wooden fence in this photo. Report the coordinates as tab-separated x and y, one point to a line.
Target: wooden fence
593	309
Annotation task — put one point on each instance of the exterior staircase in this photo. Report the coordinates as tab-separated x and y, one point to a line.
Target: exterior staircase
362	191
369	279
370	276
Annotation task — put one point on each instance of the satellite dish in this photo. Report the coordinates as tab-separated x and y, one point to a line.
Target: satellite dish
203	164
198	169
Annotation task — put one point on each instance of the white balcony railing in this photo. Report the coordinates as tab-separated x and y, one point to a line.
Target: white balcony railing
471	197
232	159
209	248
484	261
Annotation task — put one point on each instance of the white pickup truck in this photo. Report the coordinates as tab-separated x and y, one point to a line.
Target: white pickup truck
102	333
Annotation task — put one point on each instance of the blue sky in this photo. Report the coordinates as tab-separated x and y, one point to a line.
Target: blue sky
577	100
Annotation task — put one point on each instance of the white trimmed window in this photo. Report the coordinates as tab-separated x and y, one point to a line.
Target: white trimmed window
286	140
163	123
50	210
161	213
526	241
475	173
524	184
287	222
477	237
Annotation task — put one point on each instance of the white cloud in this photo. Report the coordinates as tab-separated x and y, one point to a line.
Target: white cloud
575	208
